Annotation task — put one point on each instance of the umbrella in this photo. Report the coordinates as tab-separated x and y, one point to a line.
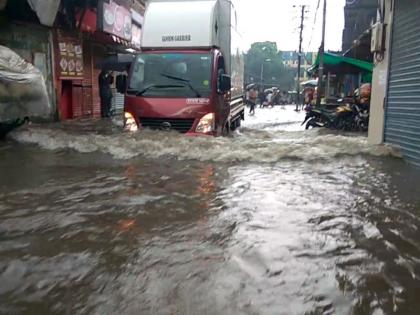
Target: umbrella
118	62
250	86
310	83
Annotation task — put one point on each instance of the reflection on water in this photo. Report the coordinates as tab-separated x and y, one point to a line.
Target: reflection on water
274	220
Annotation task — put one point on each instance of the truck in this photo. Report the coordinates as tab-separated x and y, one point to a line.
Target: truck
189	75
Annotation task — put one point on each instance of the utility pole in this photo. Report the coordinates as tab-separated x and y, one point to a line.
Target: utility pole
262	71
302	18
321	57
262	74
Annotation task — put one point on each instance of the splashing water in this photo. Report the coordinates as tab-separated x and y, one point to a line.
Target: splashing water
269	141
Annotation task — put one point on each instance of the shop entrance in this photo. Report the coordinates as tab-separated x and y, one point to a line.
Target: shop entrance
66	99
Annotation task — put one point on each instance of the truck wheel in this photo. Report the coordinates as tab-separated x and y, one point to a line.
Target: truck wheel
226	130
235	124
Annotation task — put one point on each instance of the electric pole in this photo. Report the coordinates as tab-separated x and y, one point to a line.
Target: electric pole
302	18
321	58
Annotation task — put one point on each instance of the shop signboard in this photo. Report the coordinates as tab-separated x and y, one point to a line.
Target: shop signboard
69	56
136	36
114	19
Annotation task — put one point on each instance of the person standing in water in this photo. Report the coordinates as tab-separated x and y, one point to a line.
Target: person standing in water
253	95
105	93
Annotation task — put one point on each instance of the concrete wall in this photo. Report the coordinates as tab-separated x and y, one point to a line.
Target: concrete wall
379	84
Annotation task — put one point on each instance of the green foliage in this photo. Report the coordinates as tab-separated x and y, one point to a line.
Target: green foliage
265	55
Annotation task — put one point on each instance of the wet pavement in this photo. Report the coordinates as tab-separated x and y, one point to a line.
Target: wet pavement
272	220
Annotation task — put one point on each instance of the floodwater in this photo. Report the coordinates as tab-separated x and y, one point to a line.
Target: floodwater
272	220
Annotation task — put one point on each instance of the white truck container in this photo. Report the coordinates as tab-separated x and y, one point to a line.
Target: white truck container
197	24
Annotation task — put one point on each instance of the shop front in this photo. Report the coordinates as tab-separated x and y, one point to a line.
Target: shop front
402	106
70	72
106	31
344	76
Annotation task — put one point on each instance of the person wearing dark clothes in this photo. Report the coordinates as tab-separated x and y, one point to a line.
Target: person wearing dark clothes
262	97
105	92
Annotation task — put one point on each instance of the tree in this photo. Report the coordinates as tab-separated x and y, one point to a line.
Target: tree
264	58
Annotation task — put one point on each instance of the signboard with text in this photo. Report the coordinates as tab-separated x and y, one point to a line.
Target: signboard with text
69	56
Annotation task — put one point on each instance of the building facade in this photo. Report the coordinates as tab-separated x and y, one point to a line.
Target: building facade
67	41
395	105
290	60
358	17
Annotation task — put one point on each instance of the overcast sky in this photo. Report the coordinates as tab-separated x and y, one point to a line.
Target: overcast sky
278	21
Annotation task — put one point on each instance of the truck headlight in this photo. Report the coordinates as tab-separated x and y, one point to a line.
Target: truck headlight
129	122
206	124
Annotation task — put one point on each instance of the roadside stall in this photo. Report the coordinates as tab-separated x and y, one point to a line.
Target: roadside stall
343	77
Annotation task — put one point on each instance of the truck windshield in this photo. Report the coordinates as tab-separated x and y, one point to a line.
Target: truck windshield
171	75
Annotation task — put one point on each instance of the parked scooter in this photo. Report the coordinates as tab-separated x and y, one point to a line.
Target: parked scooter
347	117
340	119
316	118
361	107
361	118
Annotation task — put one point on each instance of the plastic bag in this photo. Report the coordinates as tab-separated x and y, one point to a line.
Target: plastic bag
46	10
3	4
22	88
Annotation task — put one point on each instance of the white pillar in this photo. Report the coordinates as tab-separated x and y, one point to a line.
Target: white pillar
379	84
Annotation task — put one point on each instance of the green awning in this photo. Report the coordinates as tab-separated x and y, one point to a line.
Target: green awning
342	64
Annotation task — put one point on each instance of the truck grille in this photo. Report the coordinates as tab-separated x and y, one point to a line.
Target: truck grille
180	125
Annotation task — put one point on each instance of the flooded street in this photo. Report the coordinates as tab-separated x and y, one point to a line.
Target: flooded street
272	220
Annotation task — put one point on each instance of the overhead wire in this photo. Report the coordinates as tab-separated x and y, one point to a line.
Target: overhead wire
315	20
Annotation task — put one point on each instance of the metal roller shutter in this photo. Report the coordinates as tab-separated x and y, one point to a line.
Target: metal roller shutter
119	103
402	127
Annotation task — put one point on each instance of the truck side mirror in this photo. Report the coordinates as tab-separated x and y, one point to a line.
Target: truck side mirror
224	83
121	83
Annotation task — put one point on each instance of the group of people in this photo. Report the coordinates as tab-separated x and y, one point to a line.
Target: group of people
267	98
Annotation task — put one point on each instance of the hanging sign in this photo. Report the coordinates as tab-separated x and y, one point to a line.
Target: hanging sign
114	19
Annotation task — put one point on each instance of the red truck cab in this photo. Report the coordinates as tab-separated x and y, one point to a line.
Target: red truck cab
185	91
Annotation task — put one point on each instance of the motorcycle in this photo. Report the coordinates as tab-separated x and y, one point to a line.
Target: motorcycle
345	117
361	118
348	117
316	118
338	119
